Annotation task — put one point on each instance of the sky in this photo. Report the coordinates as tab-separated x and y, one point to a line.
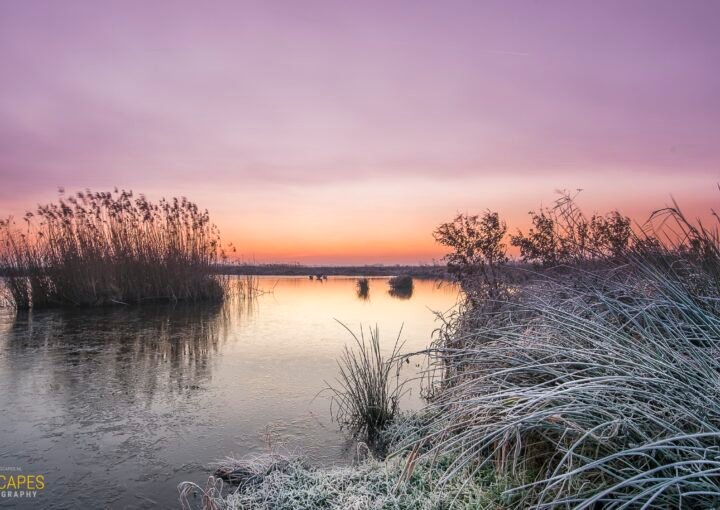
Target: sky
345	132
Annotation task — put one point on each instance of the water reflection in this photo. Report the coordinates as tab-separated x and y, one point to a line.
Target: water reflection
127	352
99	394
401	286
117	406
401	293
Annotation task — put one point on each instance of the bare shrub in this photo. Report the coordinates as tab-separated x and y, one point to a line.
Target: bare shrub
562	234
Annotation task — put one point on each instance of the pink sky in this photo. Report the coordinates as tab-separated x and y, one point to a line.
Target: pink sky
346	131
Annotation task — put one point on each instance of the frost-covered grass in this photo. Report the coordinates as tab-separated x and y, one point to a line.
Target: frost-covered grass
402	481
591	389
371	484
377	484
604	383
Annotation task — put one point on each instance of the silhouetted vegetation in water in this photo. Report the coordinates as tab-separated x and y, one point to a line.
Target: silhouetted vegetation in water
363	288
104	248
401	286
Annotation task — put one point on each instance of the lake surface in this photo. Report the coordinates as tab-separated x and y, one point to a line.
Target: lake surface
116	407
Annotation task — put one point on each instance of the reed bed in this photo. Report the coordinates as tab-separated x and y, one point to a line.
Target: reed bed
103	248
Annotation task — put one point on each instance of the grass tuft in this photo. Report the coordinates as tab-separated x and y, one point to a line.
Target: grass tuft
368	389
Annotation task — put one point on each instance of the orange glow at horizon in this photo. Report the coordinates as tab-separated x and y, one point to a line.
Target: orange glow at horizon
334	226
391	221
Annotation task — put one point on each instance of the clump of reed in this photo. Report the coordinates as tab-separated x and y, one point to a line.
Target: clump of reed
101	248
367	392
363	288
401	286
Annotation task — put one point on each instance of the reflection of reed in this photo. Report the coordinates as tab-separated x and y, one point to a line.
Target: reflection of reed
6	299
131	354
401	294
242	299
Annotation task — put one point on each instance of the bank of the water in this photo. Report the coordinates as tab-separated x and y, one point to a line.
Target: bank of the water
402	481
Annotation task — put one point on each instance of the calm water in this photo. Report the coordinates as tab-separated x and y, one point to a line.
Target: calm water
117	406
